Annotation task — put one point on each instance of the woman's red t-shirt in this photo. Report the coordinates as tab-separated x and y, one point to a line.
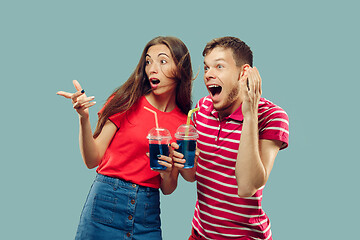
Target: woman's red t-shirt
125	157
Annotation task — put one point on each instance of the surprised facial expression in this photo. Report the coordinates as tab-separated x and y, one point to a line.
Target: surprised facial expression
221	78
160	68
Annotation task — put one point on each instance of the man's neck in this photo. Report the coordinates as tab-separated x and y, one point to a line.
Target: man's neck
229	110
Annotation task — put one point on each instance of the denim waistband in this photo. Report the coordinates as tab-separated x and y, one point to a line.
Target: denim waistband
117	182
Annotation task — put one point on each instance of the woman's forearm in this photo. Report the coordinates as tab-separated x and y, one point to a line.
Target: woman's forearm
169	181
88	147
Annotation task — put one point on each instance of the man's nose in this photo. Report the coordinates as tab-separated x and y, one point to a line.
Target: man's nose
209	74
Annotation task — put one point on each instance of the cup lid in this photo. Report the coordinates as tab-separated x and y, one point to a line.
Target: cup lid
159	134
186	131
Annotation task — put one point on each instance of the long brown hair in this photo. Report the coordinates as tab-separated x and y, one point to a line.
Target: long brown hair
124	97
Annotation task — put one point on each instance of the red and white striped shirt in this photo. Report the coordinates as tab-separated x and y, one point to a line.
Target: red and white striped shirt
219	212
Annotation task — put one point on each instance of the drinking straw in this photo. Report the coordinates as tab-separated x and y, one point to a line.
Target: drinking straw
156	119
189	115
157	127
188	120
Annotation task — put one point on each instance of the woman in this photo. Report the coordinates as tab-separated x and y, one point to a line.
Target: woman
123	202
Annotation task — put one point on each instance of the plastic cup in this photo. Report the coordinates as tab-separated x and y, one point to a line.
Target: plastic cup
159	140
186	136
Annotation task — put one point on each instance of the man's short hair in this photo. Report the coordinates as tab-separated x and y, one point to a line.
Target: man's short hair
241	52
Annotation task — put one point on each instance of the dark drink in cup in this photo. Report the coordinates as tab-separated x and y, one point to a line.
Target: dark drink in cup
187	148
186	136
155	150
159	140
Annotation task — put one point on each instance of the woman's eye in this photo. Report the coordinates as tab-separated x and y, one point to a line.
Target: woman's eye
220	66
147	62
163	61
206	68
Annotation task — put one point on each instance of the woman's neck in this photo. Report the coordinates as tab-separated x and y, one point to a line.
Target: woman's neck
164	102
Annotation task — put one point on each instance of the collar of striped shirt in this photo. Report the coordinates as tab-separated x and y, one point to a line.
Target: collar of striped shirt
237	115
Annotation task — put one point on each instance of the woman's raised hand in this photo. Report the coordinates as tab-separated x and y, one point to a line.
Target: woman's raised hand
80	101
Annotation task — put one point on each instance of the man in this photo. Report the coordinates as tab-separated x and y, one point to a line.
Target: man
240	134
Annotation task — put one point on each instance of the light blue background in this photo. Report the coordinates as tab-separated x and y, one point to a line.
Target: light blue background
307	54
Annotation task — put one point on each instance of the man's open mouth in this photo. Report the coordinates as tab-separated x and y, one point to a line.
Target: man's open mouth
214	89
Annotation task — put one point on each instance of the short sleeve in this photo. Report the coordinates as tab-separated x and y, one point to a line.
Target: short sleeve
116	118
107	102
274	125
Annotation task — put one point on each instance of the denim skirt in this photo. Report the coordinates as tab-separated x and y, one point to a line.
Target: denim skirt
117	209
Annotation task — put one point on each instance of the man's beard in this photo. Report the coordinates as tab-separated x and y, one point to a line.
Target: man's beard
233	95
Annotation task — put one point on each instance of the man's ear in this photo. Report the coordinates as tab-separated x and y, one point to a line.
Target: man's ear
243	70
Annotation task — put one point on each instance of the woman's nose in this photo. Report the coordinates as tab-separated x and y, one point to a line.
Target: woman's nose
153	68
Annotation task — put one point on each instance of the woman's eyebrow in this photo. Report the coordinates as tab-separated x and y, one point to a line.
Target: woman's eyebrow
147	55
163	54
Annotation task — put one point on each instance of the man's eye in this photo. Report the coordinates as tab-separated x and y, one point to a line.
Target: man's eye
220	66
206	68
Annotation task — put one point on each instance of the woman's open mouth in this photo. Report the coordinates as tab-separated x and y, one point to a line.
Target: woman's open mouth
154	82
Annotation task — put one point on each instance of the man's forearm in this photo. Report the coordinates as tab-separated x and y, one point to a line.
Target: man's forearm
249	171
189	174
